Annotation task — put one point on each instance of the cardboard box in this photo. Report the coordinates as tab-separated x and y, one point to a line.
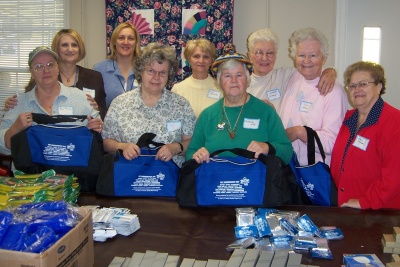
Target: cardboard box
75	249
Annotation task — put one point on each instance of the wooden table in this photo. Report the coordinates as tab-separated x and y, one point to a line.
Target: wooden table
204	233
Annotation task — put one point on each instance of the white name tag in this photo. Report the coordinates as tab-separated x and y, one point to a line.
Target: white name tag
214	94
251	123
66	111
361	142
305	106
273	94
90	92
173	126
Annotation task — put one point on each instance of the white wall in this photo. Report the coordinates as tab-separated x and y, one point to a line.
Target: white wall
284	17
89	19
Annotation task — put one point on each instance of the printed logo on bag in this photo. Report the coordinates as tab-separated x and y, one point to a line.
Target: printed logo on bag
308	189
148	183
232	189
58	152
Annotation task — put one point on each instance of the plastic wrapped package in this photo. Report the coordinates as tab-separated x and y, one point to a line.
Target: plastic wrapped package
34	227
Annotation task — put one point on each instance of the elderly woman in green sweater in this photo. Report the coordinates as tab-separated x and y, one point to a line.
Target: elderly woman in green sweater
238	120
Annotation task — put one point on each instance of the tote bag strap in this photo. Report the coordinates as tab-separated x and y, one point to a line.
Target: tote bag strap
191	164
311	136
146	139
239	152
47	119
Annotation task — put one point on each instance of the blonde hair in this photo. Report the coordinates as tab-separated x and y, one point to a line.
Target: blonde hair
114	37
55	45
203	44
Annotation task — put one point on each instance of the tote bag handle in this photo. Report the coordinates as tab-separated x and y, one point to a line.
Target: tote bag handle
47	119
239	152
311	136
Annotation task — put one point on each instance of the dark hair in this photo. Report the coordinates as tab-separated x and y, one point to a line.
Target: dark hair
160	54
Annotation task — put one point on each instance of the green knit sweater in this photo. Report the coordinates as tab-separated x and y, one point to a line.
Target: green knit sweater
258	122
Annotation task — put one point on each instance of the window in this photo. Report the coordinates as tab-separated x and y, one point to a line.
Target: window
372	44
24	25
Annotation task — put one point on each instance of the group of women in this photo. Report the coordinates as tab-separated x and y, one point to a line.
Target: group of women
249	105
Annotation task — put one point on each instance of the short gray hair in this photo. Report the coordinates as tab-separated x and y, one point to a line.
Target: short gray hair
230	64
264	34
160	54
308	34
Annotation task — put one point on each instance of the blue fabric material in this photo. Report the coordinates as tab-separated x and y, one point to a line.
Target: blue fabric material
145	176
231	181
315	180
63	145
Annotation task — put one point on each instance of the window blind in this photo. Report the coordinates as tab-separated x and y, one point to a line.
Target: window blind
24	25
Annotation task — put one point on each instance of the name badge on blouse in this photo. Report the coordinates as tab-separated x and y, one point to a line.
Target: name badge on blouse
251	123
66	111
305	106
273	94
90	92
361	142
214	94
173	126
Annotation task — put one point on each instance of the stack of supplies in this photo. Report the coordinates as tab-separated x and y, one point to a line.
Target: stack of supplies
108	222
278	230
31	188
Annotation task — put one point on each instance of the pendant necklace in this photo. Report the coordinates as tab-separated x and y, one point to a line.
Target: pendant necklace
68	78
232	131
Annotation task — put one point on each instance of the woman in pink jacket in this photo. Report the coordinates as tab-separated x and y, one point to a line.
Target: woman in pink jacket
303	105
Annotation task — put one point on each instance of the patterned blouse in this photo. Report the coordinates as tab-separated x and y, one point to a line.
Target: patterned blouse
128	118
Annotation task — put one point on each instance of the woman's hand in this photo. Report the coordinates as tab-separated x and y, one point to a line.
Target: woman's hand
327	81
166	152
93	102
202	155
10	102
23	121
297	132
258	148
352	203
130	151
95	124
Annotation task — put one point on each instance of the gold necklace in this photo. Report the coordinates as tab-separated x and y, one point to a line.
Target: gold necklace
232	132
68	78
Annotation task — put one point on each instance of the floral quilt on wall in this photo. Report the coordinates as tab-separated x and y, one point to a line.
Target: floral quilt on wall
174	22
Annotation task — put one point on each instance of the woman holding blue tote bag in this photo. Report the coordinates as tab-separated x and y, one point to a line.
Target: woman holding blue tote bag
237	122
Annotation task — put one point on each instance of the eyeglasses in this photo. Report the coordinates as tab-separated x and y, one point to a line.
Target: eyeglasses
361	85
152	72
260	54
40	67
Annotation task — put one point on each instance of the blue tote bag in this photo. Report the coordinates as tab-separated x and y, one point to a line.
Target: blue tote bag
232	181
315	178
68	149
143	176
